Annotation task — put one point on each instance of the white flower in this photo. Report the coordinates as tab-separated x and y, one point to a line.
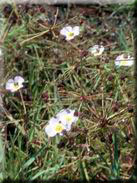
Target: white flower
61	122
96	50
14	84
67	117
70	32
123	60
54	127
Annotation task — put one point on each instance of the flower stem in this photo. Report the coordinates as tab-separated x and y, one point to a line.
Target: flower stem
22	101
74	46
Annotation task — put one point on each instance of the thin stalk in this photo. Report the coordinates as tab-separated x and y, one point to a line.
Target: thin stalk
22	101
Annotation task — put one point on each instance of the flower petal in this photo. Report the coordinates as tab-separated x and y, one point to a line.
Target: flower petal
19	79
53	121
63	32
67	127
69	29
50	131
9	84
76	30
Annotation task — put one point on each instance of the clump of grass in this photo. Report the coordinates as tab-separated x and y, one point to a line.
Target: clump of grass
61	74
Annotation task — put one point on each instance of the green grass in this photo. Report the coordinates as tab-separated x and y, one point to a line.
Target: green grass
100	145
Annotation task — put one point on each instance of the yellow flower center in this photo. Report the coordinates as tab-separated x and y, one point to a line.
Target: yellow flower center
68	119
123	62
70	34
16	86
59	128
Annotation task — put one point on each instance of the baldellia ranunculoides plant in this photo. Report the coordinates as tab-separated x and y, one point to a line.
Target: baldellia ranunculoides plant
63	121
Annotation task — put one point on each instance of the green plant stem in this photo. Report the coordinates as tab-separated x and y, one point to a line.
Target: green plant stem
22	101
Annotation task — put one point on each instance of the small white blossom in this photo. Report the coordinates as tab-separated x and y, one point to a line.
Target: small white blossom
96	50
70	32
123	60
54	127
61	122
67	117
14	84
